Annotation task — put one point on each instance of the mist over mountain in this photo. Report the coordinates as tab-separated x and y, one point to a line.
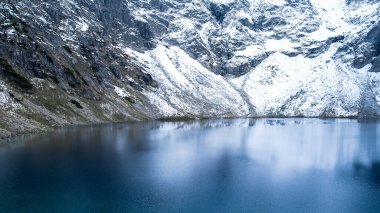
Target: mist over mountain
84	61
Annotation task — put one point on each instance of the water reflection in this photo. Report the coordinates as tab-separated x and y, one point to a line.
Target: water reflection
220	165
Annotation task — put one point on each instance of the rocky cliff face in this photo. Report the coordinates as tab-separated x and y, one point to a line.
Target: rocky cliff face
85	61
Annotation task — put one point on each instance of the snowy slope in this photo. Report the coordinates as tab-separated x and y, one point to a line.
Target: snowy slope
187	88
285	59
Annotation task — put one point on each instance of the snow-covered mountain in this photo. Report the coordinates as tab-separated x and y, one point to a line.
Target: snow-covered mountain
85	61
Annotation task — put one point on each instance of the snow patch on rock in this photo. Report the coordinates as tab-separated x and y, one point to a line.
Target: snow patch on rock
121	92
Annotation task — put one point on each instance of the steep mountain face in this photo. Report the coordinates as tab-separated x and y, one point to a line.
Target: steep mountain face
85	61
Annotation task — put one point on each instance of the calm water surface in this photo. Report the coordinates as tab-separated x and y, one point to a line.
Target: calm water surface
243	165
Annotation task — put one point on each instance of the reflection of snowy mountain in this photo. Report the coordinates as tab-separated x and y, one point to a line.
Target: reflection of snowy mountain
288	145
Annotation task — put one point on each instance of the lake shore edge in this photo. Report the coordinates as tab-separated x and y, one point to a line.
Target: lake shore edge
8	135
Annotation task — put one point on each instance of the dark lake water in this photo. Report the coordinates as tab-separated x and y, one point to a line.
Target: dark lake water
242	165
